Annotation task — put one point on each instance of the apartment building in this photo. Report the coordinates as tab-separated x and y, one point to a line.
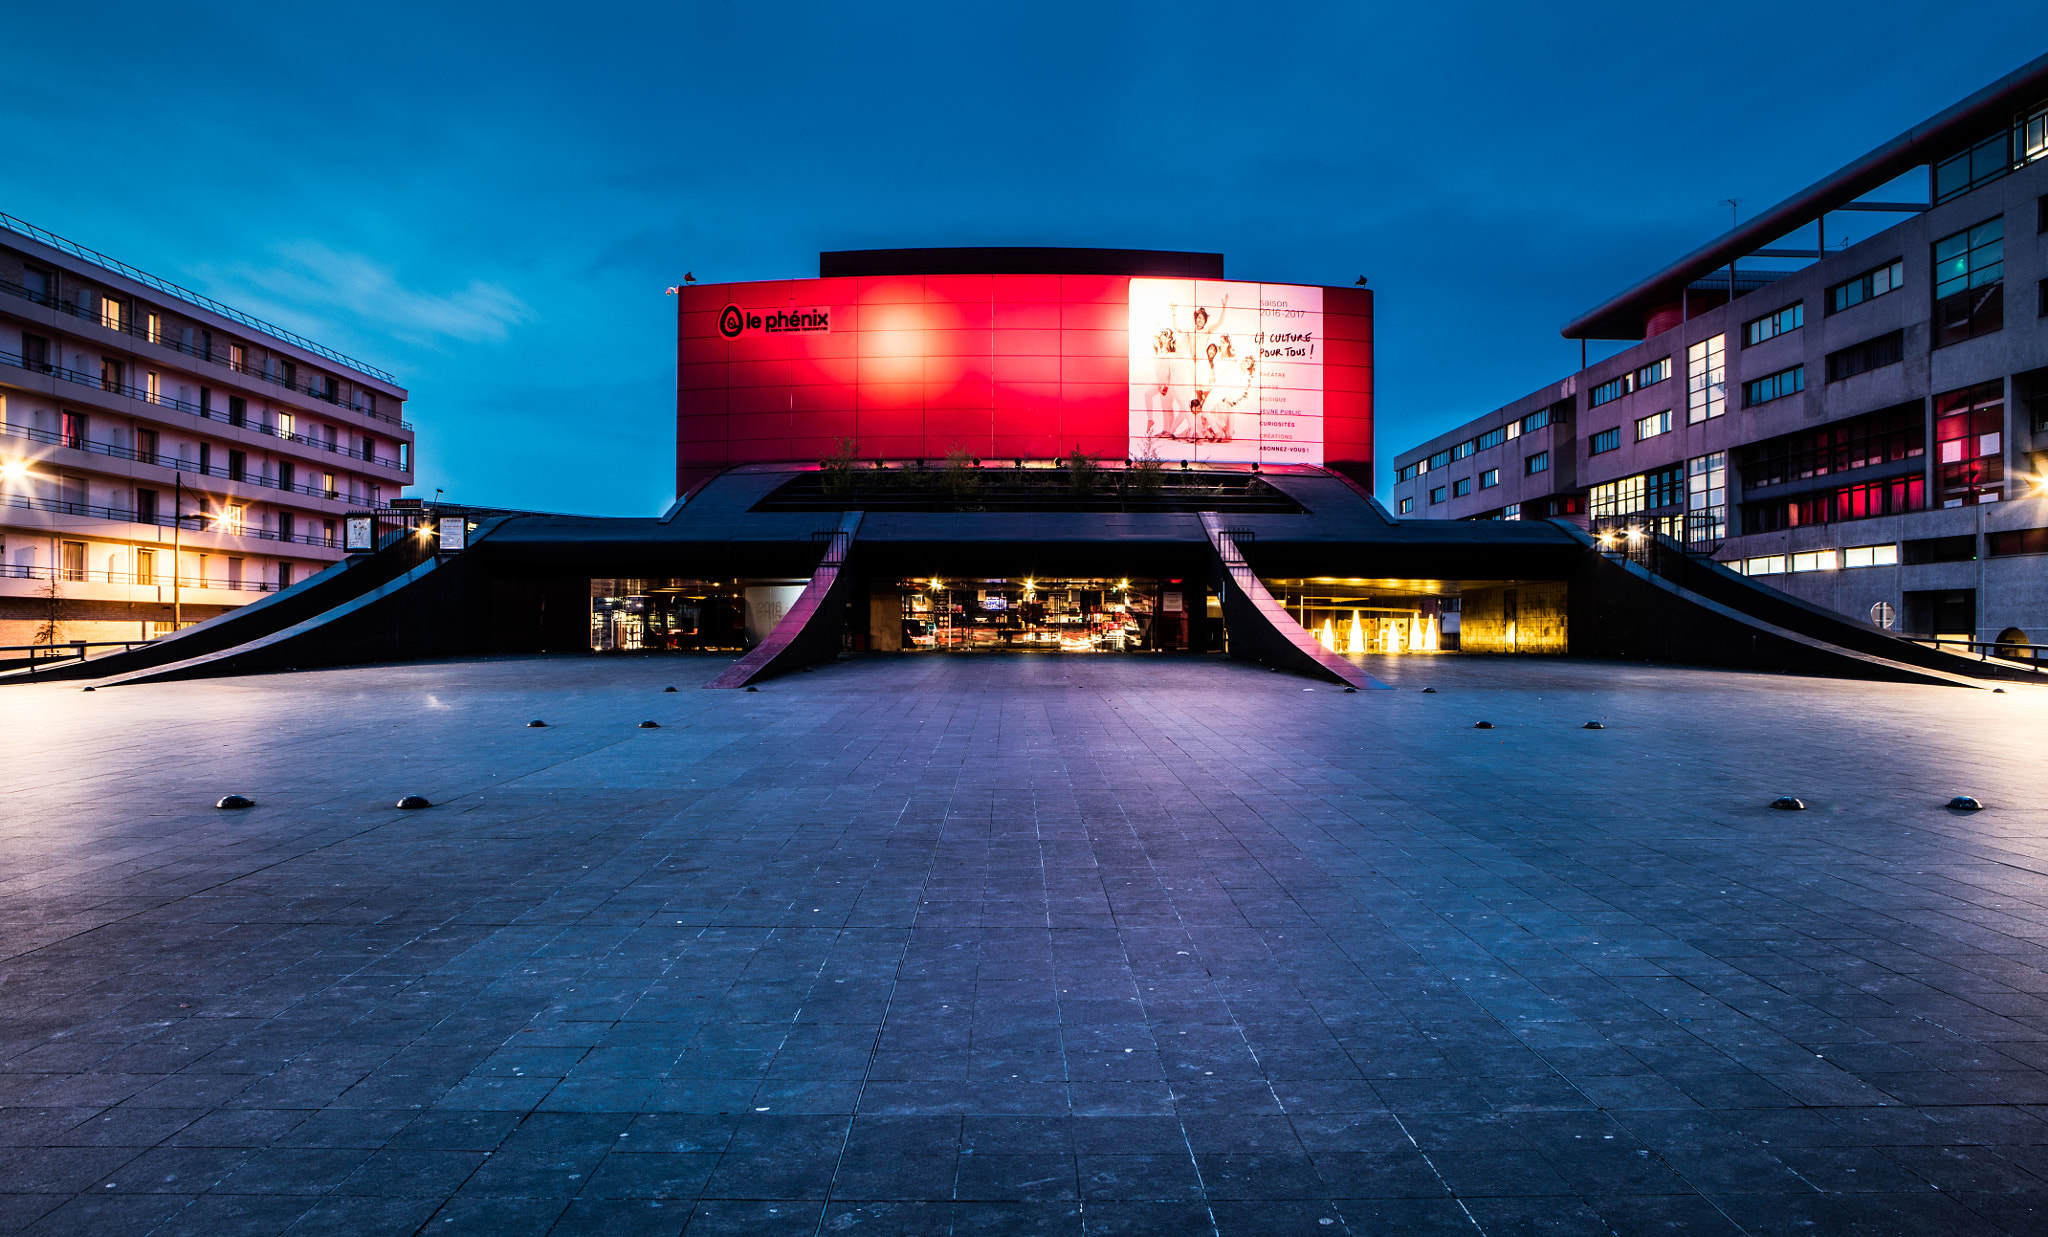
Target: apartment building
164	457
1868	430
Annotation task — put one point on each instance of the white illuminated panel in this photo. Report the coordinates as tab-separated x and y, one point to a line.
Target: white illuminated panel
1226	372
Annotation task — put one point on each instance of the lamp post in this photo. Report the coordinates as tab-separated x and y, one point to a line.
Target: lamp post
178	553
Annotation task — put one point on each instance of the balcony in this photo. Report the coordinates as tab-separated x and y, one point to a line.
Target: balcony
75	575
126	325
197	521
211	414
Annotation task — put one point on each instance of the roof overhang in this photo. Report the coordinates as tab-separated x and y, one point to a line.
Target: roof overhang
1623	316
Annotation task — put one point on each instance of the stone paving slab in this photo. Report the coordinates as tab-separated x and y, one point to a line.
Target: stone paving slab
1022	944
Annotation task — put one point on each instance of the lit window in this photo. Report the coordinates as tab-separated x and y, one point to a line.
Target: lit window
1769	565
1514	429
1648	376
1464	449
1705	380
1513	511
1489	478
1969	283
1814	560
1969	442
1651	426
1886	555
1706	500
1407	505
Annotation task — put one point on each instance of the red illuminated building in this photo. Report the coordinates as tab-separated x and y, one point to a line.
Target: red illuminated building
1022	353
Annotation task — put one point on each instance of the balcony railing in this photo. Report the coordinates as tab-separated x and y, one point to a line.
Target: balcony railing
98	383
76	575
197	521
126	325
185	294
171	461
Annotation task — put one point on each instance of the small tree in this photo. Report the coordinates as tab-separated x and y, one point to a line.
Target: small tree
1147	473
839	468
53	612
959	477
1081	472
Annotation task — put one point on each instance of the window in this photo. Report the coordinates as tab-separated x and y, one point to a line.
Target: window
1768	565
1623	497
154	328
284	576
1774	386
1407	505
1866	356
1405	474
1557	414
234	572
369	399
35	353
1814	560
1991	158
113	314
1607	440
1962	549
1867	286
1513	429
238	410
1886	555
1770	326
238	465
327	486
145	567
2041	299
1969	283
1539	462
1436	496
1513	511
1706	499
37	285
1888	496
1705	381
1969	445
229	519
238	358
146	446
1464	449
1441	459
145	506
1461	487
286	525
72	566
205	458
1493	438
2016	541
1648	376
329	389
74	430
286	475
113	375
1887	436
153	387
288	373
1651	426
1489	478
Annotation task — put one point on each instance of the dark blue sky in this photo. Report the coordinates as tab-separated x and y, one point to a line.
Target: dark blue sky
489	202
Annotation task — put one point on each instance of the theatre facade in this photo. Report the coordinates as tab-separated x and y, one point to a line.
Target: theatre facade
1058	452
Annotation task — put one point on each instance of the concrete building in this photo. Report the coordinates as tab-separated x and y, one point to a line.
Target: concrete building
1866	431
163	457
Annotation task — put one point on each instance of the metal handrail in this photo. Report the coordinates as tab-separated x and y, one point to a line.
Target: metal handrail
2029	660
177	463
208	413
68	575
187	295
59	506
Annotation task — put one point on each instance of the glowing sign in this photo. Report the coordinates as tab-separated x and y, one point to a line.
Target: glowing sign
734	321
1226	372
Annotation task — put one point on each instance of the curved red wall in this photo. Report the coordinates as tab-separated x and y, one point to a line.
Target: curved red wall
911	367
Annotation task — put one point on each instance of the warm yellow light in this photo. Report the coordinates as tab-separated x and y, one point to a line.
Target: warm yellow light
14	468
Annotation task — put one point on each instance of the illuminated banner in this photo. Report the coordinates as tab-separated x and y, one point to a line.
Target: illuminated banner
1226	372
735	321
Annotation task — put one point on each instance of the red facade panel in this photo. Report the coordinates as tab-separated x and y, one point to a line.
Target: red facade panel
1002	366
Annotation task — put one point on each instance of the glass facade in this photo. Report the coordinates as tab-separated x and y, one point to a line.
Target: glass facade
1052	615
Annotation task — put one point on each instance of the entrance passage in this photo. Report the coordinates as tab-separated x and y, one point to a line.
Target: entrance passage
1052	615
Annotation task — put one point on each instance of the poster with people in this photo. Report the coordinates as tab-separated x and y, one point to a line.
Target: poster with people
1226	372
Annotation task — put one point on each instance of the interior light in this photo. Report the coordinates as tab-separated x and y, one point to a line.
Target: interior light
14	468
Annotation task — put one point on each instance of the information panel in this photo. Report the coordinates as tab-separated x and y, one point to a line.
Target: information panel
1226	372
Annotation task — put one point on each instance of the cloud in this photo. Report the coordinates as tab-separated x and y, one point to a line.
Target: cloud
309	277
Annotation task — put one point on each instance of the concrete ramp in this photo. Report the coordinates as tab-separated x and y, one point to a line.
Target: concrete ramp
809	633
1261	629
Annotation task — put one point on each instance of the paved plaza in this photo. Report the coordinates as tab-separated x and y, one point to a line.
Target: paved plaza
1011	944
